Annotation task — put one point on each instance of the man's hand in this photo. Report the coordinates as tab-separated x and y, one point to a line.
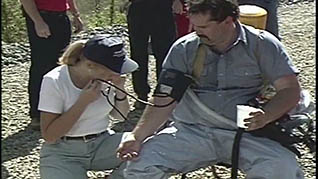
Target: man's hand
259	120
78	24
287	96
42	29
129	148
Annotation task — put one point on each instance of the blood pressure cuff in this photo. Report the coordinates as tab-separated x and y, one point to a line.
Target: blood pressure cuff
173	83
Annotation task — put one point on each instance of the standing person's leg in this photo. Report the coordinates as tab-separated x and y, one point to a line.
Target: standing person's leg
44	55
272	19
34	76
60	27
163	32
271	7
138	38
62	32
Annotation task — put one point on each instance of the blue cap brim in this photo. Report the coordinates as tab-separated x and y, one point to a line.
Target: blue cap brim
128	66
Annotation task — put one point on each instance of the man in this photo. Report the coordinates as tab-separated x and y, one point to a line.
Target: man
203	128
271	7
49	32
154	19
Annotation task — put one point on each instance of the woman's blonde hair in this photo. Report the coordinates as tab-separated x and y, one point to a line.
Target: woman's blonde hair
72	54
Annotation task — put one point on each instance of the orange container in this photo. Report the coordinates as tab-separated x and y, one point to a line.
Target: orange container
253	15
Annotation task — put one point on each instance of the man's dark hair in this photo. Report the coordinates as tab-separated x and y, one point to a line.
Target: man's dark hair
219	10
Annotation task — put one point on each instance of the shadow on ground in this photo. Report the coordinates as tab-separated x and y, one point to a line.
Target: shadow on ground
26	139
129	124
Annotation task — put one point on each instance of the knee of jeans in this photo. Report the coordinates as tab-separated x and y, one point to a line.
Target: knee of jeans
133	171
282	168
287	164
285	167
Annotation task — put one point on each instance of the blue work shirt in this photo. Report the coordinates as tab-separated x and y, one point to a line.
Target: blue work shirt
233	77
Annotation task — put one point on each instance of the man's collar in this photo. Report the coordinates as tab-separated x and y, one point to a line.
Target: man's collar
241	32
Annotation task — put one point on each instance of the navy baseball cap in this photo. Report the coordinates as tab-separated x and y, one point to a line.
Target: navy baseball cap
109	51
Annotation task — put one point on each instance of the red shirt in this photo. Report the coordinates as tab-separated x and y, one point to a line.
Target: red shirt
52	5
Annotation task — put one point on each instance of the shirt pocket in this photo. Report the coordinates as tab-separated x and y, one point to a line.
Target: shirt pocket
246	77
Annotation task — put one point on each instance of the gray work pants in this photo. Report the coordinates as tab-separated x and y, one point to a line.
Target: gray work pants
186	147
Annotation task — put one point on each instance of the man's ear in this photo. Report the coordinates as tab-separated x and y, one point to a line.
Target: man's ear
228	20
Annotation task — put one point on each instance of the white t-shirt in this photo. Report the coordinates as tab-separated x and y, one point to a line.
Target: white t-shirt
58	94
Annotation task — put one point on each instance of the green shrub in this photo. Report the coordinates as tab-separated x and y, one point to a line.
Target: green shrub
101	14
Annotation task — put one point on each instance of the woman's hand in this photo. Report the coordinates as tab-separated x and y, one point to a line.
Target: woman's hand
91	92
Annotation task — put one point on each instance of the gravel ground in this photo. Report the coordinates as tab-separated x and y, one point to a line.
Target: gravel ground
20	145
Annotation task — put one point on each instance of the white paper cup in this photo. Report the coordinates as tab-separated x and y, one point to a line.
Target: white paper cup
243	112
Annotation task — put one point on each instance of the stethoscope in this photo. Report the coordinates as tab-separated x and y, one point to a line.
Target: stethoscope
107	90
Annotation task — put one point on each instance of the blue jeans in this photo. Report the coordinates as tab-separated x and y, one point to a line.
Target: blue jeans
183	147
45	53
271	7
72	158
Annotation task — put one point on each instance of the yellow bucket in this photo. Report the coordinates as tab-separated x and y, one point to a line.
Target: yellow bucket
253	15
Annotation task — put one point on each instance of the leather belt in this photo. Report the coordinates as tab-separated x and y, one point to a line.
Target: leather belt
86	138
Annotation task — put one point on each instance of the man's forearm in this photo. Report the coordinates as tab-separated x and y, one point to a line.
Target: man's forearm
153	118
282	102
31	9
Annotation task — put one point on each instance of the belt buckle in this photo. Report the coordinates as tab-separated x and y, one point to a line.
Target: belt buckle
91	139
88	140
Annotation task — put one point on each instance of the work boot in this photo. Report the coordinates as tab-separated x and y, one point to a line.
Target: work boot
35	123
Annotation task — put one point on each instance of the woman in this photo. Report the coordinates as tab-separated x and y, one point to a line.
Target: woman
74	113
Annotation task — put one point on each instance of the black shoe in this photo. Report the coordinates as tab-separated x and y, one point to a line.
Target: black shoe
35	123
